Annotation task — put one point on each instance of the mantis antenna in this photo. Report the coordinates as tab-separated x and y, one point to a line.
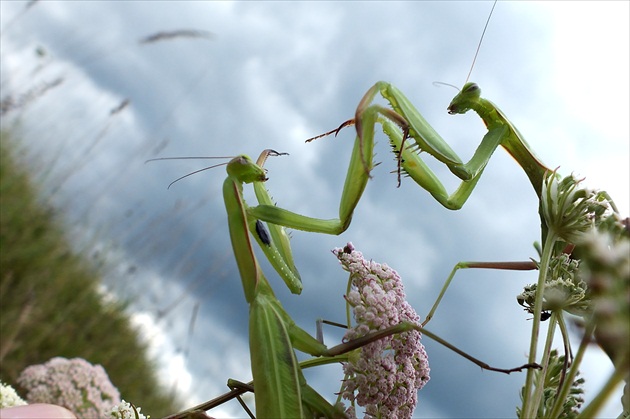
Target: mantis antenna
260	162
196	171
480	41
439	83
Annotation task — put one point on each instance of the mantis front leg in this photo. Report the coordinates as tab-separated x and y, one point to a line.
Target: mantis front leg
355	183
410	134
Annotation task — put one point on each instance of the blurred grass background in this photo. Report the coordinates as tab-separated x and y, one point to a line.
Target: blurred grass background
50	302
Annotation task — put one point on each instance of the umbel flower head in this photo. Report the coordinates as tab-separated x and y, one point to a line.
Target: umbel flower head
75	384
385	374
126	410
564	289
570	210
8	397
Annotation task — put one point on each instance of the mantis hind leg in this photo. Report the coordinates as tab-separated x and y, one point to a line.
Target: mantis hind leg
246	387
511	266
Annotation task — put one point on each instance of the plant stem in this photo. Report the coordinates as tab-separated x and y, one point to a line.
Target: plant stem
540	385
563	392
529	408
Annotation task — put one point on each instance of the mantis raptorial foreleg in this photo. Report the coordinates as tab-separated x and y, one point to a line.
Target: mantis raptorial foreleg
273	240
403	124
410	135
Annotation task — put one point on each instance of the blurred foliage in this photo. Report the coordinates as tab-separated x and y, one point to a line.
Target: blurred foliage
49	299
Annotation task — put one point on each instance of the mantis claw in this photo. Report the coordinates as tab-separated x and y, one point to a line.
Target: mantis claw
334	131
266	153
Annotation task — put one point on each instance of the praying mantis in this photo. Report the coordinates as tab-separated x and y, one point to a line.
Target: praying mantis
403	124
272	332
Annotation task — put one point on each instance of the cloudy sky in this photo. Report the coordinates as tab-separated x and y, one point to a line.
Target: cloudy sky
269	75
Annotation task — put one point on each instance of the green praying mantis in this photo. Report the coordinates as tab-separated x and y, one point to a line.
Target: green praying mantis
403	124
281	390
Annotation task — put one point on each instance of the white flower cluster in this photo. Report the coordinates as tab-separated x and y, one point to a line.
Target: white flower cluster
8	397
126	410
564	289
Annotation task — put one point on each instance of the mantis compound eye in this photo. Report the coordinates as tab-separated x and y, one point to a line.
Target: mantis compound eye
471	88
242	160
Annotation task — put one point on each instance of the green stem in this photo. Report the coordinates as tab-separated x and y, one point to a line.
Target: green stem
529	408
573	371
540	385
324	360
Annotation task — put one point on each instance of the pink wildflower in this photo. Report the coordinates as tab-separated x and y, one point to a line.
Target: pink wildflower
388	373
79	386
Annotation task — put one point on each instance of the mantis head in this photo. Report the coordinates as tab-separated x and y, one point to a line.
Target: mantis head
245	170
465	100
